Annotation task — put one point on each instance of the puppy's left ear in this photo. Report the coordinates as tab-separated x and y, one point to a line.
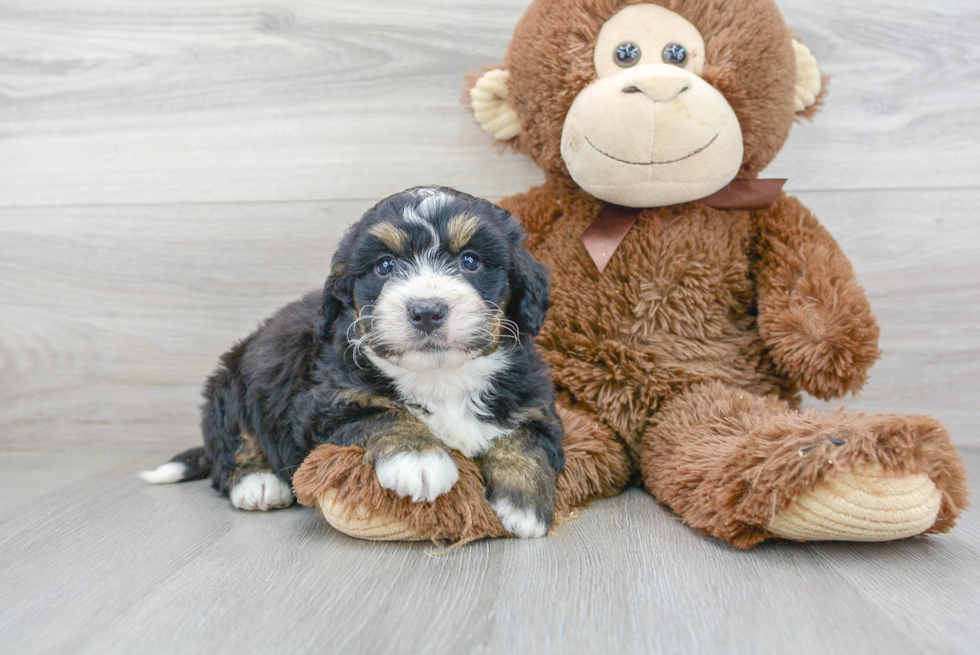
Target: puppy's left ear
336	294
529	289
337	291
529	286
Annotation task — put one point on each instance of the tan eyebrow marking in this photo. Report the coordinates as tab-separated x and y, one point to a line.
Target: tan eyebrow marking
393	237
461	229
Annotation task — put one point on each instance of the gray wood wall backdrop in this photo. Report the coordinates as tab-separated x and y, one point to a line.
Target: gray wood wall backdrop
171	172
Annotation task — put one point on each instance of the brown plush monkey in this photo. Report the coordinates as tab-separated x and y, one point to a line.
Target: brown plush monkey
691	302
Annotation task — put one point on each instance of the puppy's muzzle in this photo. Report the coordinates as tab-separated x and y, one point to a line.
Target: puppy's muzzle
427	315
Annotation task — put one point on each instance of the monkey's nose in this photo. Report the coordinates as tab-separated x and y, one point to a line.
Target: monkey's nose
658	85
426	315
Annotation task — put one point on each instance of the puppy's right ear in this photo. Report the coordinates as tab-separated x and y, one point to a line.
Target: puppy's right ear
338	291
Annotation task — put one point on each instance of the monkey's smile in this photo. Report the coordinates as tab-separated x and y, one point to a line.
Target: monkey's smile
649	163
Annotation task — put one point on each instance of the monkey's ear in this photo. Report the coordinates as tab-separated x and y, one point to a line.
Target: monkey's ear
488	98
808	80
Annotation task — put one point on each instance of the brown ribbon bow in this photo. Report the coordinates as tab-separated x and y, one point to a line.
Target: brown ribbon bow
609	228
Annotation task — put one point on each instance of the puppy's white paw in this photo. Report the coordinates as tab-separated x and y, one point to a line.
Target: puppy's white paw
423	476
521	523
261	491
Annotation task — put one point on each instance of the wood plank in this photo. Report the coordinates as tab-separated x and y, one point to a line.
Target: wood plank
899	74
918	257
114	316
35	478
109	102
116	566
927	606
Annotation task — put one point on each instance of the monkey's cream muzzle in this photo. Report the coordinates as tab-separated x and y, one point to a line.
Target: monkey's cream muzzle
681	141
649	132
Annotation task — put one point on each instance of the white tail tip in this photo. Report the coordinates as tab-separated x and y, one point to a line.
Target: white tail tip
166	474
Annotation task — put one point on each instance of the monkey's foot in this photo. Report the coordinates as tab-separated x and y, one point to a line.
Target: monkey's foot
347	491
747	468
911	484
863	505
362	523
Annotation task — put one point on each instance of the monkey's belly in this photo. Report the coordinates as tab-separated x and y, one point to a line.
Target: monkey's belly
625	380
674	313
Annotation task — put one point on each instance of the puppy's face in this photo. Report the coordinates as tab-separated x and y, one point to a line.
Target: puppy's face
432	278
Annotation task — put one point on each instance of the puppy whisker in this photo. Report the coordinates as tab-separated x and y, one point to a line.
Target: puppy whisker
356	344
509	326
509	329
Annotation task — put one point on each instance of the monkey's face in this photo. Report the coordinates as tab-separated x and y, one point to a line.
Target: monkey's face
646	106
650	132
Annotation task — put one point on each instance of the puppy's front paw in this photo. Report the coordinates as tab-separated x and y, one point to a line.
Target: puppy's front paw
422	476
521	522
261	491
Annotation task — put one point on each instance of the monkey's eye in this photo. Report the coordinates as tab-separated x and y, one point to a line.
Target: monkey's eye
627	54
385	267
675	54
469	262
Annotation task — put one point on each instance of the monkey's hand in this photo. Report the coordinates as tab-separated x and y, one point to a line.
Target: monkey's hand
813	314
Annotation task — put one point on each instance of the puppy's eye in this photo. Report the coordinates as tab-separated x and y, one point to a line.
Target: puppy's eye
385	267
469	262
675	54
627	54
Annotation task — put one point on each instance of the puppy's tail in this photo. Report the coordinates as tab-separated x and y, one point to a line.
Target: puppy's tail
191	464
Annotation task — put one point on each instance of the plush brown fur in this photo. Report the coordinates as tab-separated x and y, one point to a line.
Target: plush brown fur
727	461
594	468
459	516
684	359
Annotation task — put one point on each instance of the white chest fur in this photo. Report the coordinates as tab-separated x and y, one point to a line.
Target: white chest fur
450	400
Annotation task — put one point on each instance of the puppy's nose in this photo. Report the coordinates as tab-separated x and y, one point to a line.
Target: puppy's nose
427	315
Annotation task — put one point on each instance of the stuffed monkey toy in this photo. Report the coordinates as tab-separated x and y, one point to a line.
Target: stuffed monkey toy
691	301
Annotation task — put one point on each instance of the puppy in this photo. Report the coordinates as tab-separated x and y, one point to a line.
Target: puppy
419	343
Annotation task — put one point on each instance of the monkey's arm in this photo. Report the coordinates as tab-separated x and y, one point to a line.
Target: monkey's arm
536	209
406	457
813	314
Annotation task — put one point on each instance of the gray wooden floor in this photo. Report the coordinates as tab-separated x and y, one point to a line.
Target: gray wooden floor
94	562
171	172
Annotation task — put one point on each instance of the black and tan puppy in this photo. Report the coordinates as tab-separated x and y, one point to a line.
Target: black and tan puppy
419	343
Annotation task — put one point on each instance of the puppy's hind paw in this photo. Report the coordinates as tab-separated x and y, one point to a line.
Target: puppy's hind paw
421	476
520	522
261	491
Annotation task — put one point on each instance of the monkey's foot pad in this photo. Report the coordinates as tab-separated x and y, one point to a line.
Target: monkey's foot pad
347	491
864	505
363	524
